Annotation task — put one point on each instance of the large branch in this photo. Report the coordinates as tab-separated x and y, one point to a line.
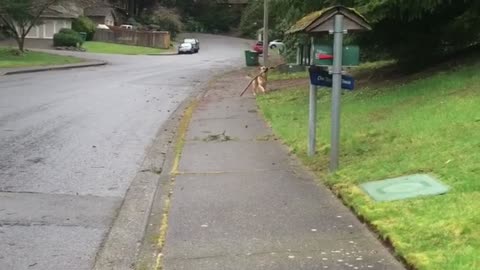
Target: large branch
10	25
39	8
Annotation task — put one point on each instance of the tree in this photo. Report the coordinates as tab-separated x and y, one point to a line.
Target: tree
420	32
410	31
18	17
161	18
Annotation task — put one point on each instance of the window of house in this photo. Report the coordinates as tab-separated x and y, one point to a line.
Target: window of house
34	32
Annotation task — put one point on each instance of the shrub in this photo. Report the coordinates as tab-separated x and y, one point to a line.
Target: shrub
67	31
192	25
136	24
67	38
166	19
84	24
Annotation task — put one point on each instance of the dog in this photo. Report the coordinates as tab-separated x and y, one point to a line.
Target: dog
260	82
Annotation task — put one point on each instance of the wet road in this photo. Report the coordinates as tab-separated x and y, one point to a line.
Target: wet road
71	142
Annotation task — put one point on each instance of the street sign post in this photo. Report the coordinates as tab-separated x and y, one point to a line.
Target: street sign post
336	91
312	120
337	20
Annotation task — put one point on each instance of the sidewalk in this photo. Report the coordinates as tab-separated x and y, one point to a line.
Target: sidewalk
241	202
21	70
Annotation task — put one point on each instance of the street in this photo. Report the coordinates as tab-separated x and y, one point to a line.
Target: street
72	141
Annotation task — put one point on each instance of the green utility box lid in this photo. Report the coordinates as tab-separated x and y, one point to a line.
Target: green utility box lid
350	57
404	187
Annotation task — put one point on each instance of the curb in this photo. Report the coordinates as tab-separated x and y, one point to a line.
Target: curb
162	54
127	244
150	255
121	246
51	68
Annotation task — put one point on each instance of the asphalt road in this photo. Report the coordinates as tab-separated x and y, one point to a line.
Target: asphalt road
71	142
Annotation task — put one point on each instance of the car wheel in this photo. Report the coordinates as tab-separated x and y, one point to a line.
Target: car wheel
273	46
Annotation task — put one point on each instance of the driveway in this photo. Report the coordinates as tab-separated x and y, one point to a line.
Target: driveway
72	141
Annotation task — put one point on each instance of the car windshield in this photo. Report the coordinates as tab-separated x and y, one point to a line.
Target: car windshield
189	40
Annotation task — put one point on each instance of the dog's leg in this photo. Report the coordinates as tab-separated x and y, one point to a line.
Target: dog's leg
261	88
254	88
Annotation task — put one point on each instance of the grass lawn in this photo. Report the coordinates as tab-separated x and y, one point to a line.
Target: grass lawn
9	60
430	126
278	76
111	48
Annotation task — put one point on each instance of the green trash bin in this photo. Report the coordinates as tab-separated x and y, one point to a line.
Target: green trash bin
83	36
251	58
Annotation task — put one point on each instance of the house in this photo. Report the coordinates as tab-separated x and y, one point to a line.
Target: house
101	15
52	20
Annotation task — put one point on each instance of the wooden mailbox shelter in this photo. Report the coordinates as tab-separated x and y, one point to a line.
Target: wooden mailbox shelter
336	20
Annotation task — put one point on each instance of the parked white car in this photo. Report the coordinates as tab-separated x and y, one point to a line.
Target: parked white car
103	26
195	43
127	26
186	47
276	44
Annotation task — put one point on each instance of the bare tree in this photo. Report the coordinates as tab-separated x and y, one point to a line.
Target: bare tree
18	17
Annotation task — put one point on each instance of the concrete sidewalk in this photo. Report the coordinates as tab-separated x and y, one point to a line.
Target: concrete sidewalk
241	202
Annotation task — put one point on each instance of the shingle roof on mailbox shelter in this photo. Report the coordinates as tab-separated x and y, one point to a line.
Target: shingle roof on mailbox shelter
309	20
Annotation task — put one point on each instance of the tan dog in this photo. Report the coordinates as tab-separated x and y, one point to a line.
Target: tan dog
260	82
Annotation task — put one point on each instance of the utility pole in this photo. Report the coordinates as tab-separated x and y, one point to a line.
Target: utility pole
265	33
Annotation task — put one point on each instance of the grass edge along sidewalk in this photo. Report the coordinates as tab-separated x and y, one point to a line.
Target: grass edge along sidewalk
431	125
8	59
112	48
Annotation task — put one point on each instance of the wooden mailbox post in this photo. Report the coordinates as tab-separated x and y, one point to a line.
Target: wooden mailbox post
336	20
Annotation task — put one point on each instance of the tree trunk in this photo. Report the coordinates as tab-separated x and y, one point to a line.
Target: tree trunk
131	8
21	44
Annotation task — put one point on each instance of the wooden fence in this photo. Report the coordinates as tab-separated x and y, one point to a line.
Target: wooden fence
153	39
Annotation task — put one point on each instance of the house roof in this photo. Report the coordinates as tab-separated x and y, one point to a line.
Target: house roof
304	23
98	11
56	12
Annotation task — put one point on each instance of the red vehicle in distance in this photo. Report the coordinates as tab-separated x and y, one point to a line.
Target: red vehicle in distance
258	47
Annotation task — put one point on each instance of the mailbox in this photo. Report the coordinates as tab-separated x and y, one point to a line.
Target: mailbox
351	55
